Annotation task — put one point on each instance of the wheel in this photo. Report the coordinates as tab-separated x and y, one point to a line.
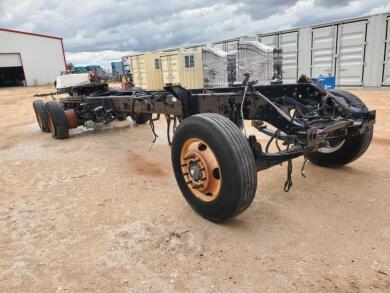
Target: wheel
122	117
58	122
214	166
141	118
344	151
40	113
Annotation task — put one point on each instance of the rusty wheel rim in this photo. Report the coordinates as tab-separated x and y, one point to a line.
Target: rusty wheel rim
39	119
51	123
72	118
200	169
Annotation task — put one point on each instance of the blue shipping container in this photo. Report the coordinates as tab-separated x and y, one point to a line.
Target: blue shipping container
117	69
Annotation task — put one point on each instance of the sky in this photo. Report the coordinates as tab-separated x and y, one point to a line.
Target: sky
101	31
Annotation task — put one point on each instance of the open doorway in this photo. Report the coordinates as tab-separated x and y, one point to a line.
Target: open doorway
11	70
12	76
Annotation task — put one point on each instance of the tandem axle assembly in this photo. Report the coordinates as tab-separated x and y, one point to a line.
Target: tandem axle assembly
214	160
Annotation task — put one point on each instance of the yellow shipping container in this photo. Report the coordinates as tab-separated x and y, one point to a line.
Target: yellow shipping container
184	68
146	70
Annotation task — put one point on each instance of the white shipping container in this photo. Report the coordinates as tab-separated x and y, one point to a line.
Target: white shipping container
386	61
356	51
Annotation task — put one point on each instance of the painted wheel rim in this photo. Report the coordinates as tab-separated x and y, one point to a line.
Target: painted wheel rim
71	118
51	124
200	169
39	118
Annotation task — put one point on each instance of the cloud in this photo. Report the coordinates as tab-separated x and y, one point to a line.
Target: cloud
332	3
345	9
103	29
380	9
263	9
102	58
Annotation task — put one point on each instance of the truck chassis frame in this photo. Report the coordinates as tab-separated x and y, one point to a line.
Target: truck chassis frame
308	120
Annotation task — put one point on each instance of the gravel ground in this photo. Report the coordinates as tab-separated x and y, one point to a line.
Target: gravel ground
101	212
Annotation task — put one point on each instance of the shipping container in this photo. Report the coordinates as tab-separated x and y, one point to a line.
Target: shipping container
339	49
183	68
117	69
288	43
146	70
206	68
356	51
386	60
126	61
194	48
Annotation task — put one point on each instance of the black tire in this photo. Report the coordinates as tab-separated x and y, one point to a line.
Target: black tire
141	118
40	113
122	117
353	146
351	99
58	123
236	161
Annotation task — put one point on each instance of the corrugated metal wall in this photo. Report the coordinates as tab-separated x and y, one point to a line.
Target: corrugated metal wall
146	69
356	51
42	58
289	43
126	60
175	71
386	61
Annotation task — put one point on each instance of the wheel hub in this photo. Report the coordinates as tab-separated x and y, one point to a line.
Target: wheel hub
200	169
195	171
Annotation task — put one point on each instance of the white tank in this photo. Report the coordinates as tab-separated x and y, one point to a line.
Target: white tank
69	80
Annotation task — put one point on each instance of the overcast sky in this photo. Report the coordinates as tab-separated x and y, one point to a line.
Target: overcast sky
100	31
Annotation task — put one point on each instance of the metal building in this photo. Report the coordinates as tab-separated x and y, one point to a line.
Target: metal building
30	59
356	51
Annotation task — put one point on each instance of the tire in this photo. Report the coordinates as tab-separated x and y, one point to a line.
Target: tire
352	147
58	123
40	113
237	169
350	99
141	118
121	117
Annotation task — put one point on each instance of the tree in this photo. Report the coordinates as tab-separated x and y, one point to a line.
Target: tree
69	66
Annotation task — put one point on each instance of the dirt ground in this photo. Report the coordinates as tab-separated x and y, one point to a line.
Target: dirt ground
101	212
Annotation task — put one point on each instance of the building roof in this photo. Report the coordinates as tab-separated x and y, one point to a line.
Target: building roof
30	34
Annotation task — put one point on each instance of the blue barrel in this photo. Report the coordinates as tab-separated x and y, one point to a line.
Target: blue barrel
327	82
